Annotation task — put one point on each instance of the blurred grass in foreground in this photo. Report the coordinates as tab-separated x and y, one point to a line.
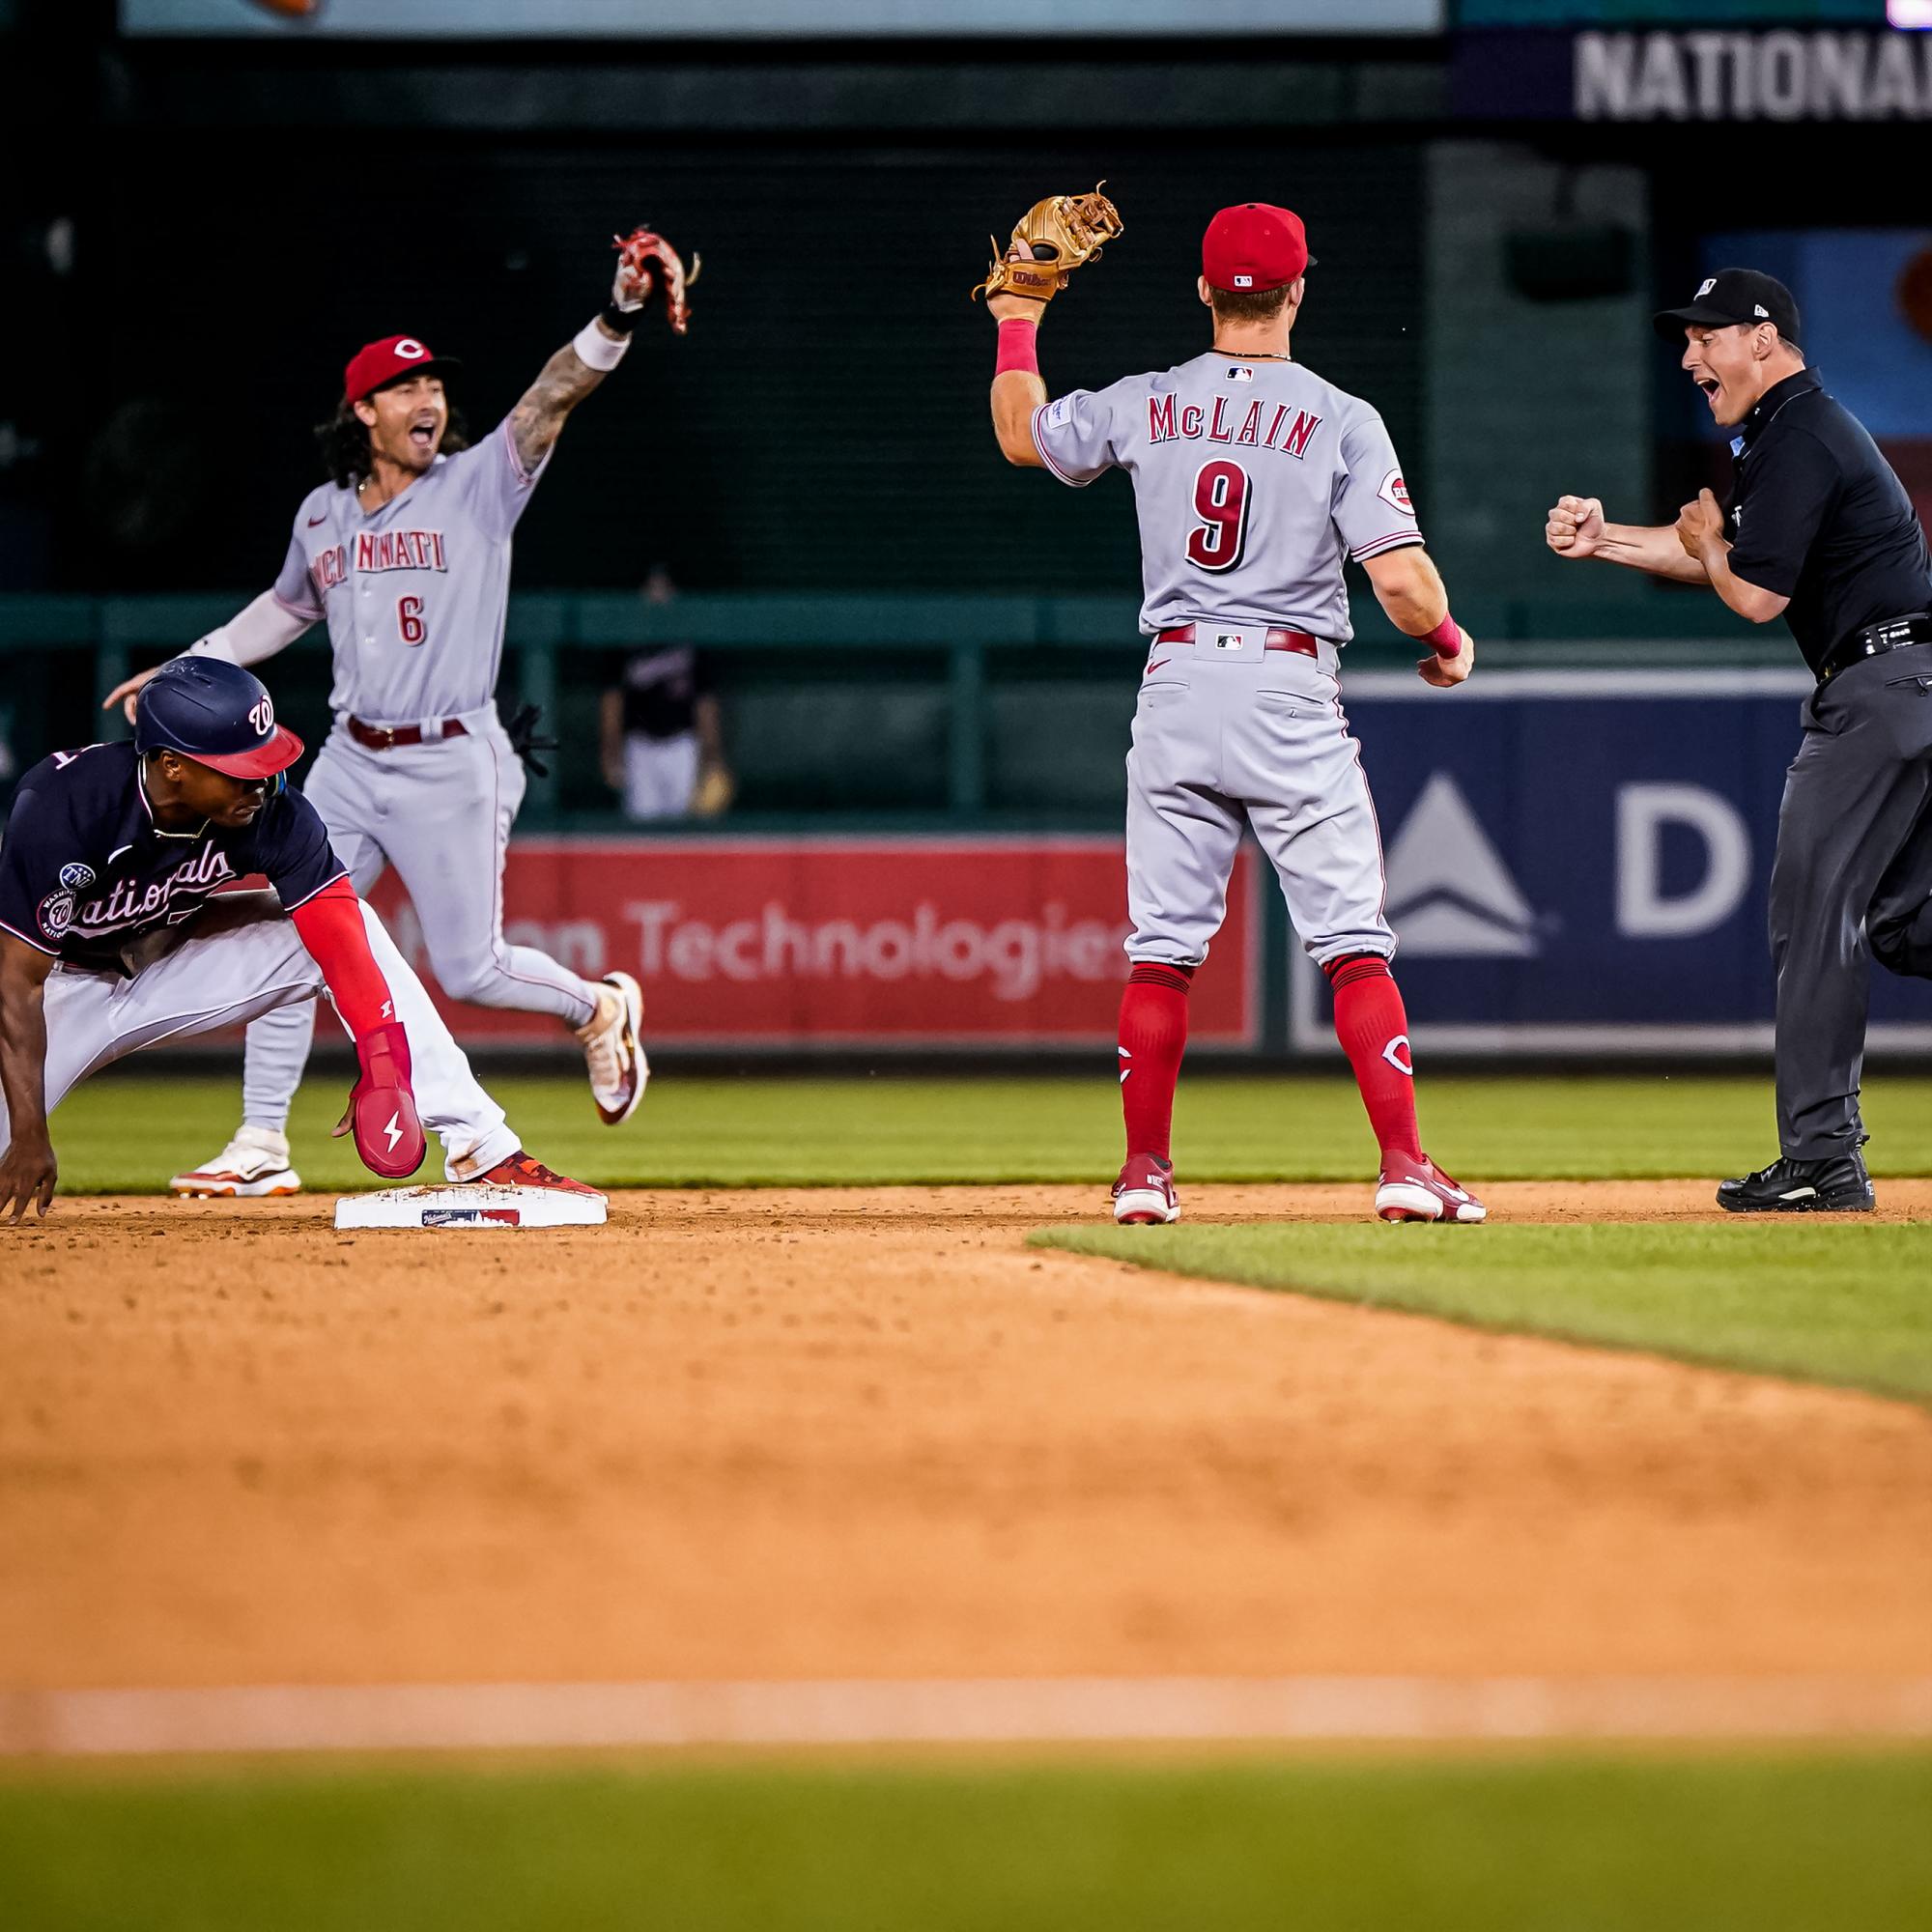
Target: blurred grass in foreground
1558	1843
126	1132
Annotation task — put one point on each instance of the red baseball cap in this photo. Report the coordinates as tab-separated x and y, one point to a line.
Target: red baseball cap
377	365
1253	246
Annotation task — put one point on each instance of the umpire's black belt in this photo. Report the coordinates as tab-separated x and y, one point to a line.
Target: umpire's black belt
1896	633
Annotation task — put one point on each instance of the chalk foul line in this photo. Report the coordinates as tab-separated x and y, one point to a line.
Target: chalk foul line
1058	1710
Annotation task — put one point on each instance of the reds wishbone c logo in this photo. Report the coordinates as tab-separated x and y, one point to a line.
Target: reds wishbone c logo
1397	1054
410	350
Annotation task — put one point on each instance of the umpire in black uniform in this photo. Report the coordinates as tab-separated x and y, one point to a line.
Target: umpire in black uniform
1818	529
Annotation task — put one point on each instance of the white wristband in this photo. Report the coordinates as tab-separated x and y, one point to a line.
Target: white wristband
597	350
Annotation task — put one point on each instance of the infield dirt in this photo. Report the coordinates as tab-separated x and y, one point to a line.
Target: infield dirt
844	1432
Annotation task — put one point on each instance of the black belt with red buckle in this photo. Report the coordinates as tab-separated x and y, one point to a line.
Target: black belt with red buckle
1896	633
392	737
1299	641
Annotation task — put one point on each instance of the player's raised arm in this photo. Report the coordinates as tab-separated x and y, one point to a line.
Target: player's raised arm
1053	239
1576	529
645	262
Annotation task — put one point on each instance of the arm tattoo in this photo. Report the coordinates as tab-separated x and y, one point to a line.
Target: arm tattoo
563	381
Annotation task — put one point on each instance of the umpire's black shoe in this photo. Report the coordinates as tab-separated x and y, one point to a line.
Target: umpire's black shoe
1839	1186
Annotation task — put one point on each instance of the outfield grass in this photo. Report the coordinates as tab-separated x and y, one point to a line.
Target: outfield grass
125	1133
1845	1303
1731	1843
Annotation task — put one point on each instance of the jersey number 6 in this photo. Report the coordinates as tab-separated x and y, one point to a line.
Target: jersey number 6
1221	503
410	625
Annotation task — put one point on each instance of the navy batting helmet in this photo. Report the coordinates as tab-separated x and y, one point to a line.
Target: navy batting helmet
217	714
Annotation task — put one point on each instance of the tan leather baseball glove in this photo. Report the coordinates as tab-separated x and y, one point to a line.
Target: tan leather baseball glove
1054	238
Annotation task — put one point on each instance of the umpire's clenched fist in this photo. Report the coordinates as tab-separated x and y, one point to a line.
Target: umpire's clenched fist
1576	526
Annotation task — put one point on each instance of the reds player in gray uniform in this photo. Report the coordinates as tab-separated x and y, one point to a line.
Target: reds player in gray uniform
405	555
1254	479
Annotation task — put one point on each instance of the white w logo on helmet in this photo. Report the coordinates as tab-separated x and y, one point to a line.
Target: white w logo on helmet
262	715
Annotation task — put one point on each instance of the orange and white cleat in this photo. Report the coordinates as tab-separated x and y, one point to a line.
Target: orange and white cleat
614	1053
1418	1190
253	1166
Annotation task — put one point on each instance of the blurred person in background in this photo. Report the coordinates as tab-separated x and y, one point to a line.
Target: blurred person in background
662	736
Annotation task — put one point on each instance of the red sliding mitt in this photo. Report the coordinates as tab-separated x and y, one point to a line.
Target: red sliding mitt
381	1109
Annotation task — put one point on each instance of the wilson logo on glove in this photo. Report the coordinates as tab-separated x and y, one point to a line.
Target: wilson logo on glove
1054	238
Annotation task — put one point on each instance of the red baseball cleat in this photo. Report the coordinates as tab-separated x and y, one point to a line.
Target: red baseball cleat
1144	1194
1418	1190
520	1170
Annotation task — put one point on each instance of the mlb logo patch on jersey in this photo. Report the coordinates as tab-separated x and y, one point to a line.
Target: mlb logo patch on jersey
1395	494
1228	641
1240	372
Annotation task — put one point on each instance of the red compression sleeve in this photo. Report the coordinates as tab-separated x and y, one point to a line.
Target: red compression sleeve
1019	346
1446	639
330	926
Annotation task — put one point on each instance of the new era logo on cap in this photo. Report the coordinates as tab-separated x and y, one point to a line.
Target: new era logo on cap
1733	297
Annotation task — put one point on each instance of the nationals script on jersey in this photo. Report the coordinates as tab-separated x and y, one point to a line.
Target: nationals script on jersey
415	592
1252	481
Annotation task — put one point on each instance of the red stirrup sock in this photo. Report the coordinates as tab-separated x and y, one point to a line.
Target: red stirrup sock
1154	1035
1373	1032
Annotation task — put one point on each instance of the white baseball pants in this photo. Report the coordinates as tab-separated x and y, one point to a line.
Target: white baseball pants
245	959
441	813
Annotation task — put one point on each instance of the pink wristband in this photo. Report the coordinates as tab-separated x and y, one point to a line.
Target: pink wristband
1019	346
1446	639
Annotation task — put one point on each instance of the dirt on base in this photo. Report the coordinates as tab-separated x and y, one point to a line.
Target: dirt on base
865	1433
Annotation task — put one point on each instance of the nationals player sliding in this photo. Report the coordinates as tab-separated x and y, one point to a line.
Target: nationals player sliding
112	938
406	554
1254	479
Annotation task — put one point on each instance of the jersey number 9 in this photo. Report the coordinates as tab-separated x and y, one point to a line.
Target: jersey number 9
1221	503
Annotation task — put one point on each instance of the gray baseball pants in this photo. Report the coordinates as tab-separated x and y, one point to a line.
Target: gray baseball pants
1852	882
1228	734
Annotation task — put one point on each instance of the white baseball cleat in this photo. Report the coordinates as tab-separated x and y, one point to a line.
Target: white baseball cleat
612	1052
1418	1190
1145	1192
253	1165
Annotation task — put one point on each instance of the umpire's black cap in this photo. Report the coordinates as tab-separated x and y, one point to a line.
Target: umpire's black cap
1730	296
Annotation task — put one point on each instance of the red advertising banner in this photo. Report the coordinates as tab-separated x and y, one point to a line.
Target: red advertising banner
834	940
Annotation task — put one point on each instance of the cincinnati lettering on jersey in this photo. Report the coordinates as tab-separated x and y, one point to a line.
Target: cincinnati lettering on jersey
129	904
1289	429
399	549
329	567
